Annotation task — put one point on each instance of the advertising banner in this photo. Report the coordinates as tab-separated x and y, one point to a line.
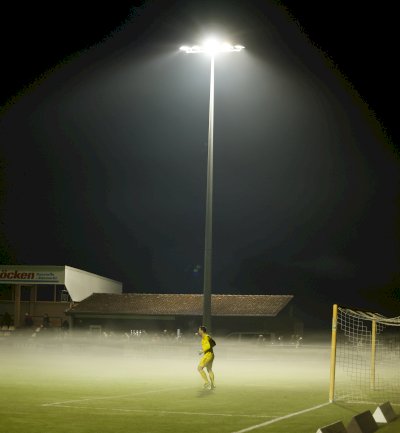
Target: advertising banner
30	275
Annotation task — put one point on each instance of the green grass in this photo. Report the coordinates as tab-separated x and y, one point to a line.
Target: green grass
103	392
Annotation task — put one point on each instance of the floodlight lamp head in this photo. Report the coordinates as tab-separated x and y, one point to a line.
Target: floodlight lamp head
211	46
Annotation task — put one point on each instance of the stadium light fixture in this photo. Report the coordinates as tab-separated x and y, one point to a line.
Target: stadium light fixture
211	47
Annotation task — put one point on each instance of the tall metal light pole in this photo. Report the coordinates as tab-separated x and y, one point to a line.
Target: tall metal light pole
210	47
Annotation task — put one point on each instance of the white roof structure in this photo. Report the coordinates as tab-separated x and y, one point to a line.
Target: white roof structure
79	284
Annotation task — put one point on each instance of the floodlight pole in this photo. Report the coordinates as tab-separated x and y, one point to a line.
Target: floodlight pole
210	48
207	282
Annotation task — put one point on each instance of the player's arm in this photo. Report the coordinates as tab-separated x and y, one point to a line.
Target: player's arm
201	352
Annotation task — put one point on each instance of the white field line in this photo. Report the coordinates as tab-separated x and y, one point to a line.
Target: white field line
167	412
281	418
57	403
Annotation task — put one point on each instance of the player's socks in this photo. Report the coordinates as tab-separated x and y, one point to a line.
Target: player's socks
204	376
211	374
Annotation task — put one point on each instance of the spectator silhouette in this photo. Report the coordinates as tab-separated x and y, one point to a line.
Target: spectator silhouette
7	320
46	321
65	326
28	320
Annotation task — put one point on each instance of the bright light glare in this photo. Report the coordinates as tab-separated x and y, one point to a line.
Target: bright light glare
212	46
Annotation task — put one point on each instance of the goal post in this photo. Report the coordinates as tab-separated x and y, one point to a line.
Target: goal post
373	354
365	357
333	354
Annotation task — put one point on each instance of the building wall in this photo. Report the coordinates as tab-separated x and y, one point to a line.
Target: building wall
272	327
55	310
121	324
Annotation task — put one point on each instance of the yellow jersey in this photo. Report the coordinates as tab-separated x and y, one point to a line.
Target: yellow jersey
205	344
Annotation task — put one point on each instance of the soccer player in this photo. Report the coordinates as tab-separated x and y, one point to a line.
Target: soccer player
207	344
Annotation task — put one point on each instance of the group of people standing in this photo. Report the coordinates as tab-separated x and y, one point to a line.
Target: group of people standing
28	321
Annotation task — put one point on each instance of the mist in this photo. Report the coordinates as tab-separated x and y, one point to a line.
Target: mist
159	361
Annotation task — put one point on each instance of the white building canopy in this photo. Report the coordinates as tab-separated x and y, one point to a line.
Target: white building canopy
79	284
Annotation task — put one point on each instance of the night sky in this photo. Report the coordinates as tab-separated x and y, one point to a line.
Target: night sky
104	147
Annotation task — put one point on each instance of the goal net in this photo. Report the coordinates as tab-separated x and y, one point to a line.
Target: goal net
365	357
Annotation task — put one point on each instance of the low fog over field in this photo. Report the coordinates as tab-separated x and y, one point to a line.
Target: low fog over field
128	358
114	383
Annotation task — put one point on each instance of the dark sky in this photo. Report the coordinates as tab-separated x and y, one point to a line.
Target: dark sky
104	157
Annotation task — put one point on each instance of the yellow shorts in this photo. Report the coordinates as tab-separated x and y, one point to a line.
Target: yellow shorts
207	360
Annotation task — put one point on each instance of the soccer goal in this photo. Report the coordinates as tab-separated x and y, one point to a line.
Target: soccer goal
365	357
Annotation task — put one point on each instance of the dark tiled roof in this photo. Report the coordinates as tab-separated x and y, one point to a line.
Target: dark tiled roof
181	305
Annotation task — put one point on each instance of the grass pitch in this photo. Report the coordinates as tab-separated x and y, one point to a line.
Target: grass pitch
58	389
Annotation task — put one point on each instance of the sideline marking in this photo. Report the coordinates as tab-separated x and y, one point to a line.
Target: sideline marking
167	412
290	415
57	403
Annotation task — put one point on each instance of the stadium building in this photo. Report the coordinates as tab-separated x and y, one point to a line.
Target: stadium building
51	290
94	303
240	314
